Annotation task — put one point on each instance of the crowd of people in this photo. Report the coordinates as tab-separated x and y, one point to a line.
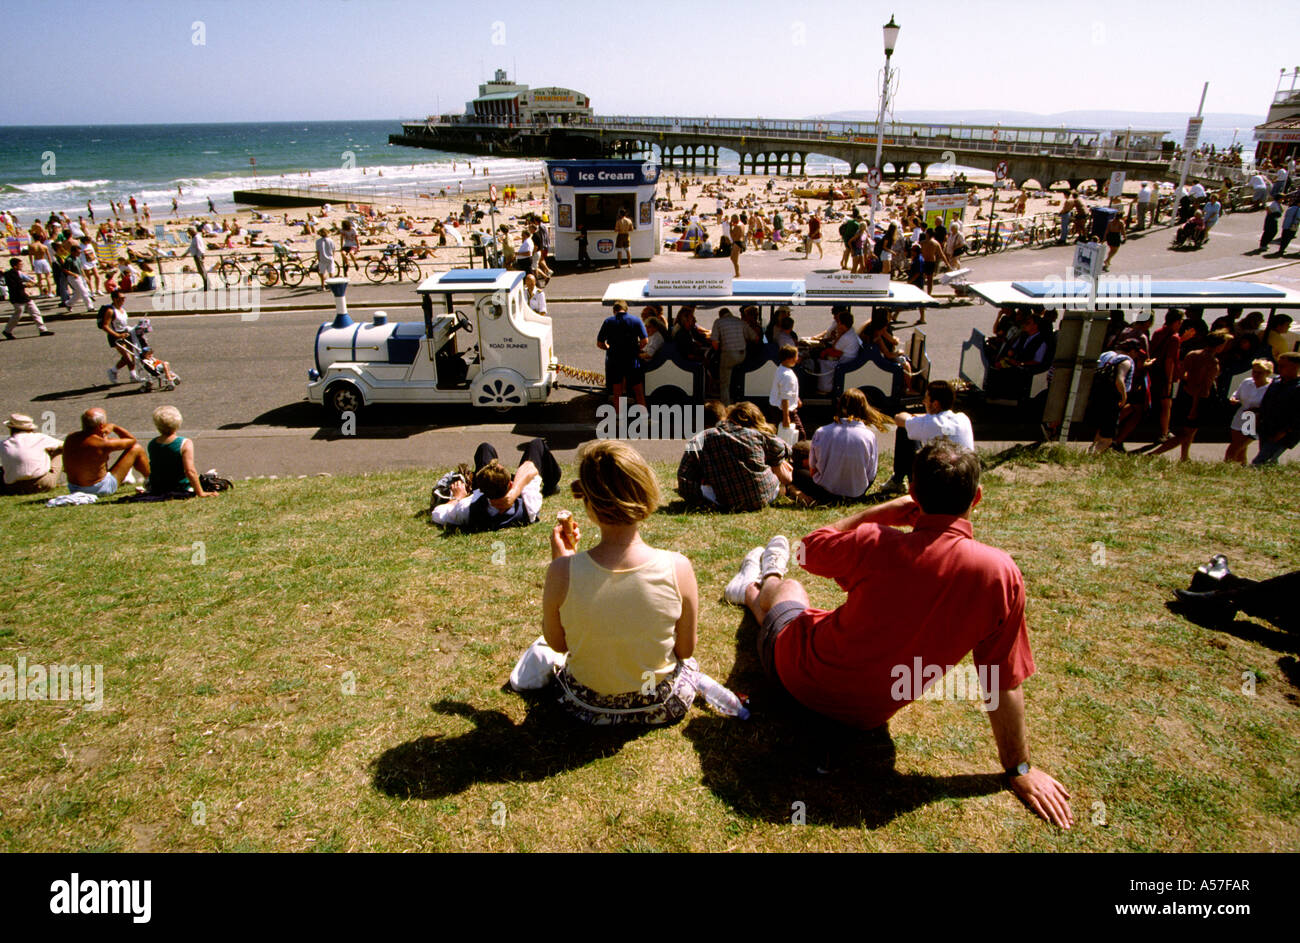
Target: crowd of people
1183	372
736	343
100	457
620	619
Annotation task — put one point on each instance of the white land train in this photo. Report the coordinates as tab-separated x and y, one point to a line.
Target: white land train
479	343
670	375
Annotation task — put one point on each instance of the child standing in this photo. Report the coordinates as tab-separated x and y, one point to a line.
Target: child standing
784	398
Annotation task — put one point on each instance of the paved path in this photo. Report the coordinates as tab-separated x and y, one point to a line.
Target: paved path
244	399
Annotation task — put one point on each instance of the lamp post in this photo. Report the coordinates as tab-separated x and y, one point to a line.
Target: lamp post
891	40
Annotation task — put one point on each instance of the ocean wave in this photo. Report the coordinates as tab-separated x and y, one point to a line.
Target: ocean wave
55	185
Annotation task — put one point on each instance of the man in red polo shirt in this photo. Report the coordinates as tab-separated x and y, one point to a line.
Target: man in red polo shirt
917	603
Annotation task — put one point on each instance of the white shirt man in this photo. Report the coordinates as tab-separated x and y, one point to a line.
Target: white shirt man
955	426
325	257
31	459
198	249
1198	191
915	431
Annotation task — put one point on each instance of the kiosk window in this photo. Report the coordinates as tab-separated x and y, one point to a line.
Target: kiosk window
599	211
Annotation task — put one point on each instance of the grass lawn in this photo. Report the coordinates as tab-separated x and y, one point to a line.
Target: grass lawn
308	664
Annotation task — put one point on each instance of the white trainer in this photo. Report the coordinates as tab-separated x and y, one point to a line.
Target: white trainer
776	558
112	375
749	569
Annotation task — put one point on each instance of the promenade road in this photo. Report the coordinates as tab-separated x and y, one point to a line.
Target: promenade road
244	401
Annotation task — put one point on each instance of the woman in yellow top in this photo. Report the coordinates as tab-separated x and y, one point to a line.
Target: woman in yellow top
624	612
1277	335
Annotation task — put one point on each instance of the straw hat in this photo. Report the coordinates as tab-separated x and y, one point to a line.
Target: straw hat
20	423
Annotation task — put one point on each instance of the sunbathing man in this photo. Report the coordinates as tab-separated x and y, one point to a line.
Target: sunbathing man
917	603
86	454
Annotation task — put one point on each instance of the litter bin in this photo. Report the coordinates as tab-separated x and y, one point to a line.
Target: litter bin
1101	217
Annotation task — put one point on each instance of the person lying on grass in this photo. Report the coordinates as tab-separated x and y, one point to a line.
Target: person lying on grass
624	612
918	602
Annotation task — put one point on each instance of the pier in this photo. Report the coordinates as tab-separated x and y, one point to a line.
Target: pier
1046	155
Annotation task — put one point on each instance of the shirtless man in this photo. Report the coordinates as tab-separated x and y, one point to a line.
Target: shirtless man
932	253
41	267
737	241
622	239
86	454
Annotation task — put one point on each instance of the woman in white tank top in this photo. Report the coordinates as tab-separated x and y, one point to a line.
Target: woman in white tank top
624	612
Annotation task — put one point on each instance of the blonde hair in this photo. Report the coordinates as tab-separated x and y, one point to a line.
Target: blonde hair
167	419
615	482
1265	365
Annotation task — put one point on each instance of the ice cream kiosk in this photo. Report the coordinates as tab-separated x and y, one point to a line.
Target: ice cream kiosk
590	193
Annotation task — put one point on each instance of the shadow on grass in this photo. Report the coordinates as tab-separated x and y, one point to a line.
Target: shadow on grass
1280	639
548	742
787	754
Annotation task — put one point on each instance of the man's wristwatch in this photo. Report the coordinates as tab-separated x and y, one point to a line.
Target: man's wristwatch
1020	769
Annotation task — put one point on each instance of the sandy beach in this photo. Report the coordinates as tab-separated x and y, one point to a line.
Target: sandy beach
411	221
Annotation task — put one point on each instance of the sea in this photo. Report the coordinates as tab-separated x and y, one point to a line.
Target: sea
43	169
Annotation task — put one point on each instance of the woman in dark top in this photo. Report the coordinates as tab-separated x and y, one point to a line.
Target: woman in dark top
171	457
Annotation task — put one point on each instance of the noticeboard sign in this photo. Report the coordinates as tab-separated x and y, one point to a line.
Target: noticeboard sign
846	283
1088	259
690	286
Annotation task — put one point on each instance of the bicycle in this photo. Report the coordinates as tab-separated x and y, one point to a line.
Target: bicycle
285	268
397	261
229	271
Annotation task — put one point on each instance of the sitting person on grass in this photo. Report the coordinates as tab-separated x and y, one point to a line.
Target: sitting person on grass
842	460
624	612
738	465
171	458
500	500
87	451
918	601
938	421
32	461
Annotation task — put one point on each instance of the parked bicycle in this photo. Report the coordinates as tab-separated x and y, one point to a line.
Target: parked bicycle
396	260
230	271
284	268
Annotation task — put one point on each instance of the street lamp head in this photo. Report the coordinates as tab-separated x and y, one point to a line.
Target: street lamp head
891	36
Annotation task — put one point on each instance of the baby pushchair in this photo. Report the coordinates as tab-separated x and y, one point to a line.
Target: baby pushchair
157	373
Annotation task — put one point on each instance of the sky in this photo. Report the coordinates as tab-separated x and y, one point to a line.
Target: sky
143	61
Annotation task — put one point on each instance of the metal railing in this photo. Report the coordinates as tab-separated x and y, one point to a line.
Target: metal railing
1137	145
